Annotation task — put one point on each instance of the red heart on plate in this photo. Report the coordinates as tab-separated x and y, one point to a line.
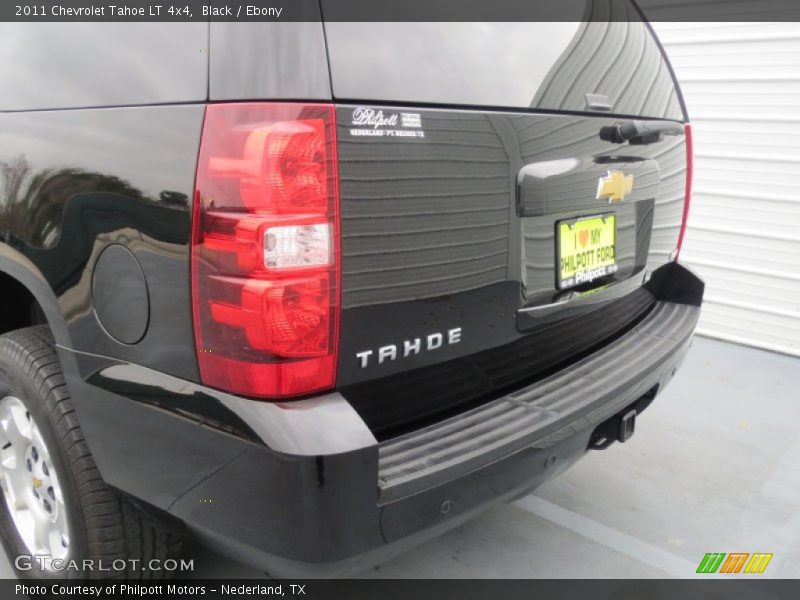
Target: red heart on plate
583	237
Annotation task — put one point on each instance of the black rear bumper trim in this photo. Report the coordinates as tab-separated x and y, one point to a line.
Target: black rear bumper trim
541	414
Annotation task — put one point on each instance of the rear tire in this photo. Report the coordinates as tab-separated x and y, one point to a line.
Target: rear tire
48	474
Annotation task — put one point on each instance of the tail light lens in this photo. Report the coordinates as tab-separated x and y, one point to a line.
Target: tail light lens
265	253
688	197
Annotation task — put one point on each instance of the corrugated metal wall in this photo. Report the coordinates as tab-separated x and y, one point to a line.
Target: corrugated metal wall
741	82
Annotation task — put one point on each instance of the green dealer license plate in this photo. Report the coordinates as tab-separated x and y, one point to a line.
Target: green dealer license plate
586	250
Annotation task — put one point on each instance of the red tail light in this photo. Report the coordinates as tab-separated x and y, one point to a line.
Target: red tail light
265	251
688	198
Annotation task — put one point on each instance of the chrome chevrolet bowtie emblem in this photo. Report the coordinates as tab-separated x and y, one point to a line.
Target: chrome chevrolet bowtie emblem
614	186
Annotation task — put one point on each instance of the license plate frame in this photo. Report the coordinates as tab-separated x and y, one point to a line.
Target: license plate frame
585	267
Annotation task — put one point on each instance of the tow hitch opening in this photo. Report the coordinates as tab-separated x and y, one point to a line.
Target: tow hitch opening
620	427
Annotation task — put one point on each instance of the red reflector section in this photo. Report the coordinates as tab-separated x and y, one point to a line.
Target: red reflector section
688	197
265	252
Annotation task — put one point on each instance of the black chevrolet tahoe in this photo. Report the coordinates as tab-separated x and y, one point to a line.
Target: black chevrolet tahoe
313	292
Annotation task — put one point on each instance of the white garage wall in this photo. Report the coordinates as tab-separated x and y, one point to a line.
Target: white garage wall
741	83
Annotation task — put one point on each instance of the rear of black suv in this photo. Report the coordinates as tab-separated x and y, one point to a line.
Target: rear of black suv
434	283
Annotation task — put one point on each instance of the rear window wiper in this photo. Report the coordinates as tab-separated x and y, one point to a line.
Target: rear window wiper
640	132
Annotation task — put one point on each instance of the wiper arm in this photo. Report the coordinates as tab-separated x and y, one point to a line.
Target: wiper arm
640	132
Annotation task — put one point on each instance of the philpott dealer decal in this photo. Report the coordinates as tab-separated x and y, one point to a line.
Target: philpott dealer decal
369	122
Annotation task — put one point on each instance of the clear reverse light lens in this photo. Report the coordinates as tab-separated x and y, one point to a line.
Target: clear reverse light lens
293	246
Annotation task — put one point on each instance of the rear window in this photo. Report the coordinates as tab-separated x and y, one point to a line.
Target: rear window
546	66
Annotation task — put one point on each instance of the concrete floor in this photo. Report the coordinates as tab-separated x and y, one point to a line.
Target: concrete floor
714	467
